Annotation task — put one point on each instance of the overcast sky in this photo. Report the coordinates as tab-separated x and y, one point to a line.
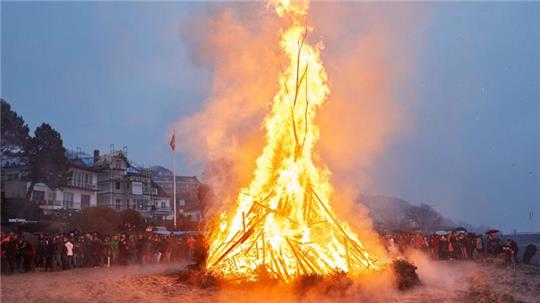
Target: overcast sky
119	73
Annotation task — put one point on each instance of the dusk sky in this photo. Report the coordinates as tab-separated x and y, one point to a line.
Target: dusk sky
120	73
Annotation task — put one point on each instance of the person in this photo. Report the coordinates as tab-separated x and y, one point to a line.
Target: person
163	249
156	249
451	246
122	250
69	253
132	249
418	242
529	253
107	251
114	249
97	248
513	245
191	247
40	252
27	255
479	246
443	251
49	253
58	252
463	239
78	258
509	257
87	251
9	251
493	245
147	249
140	244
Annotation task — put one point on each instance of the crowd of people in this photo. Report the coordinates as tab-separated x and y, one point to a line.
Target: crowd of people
23	252
453	245
63	251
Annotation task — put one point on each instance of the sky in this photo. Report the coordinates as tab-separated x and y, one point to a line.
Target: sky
105	73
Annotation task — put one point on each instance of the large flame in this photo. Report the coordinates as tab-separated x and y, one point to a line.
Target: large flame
282	224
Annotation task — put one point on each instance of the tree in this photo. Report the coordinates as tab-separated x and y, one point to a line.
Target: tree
48	161
14	131
104	220
423	216
132	217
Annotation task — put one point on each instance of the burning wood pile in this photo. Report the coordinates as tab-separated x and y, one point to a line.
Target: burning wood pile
282	225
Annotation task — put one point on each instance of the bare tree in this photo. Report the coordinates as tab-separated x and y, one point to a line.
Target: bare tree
424	216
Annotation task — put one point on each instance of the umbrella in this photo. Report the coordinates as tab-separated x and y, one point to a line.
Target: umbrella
460	229
441	233
492	231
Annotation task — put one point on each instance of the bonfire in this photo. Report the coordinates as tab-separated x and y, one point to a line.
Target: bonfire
282	224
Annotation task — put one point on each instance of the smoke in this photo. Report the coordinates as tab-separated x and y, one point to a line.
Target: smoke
367	59
240	45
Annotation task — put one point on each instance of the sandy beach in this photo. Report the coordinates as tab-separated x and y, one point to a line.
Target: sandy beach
443	281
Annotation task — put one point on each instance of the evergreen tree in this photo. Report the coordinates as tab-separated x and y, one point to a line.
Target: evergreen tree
48	161
15	136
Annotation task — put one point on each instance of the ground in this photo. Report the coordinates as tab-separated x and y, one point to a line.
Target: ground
443	281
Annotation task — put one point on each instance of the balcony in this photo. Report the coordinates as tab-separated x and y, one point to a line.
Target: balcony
49	204
83	185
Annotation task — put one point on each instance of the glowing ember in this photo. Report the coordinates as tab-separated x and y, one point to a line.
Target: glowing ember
282	224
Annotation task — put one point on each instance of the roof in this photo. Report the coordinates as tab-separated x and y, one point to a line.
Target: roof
104	160
80	164
161	192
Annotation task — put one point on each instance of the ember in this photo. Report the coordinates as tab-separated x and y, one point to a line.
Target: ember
282	224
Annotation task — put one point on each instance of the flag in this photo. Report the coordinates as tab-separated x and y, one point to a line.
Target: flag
173	141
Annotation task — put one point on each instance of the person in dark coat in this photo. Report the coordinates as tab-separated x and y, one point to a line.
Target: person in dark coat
9	253
49	252
58	252
529	253
28	256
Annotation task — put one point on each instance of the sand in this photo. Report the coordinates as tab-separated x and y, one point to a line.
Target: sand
443	281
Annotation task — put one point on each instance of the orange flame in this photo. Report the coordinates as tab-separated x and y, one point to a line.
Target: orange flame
282	223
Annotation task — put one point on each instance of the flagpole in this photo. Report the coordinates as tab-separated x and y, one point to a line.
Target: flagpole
174	181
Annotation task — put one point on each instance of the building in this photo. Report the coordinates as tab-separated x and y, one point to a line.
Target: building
123	185
108	180
161	202
80	191
187	188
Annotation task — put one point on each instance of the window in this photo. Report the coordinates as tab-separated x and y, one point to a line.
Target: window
136	188
12	177
163	204
68	200
117	164
85	201
38	195
117	206
181	202
117	185
51	196
154	191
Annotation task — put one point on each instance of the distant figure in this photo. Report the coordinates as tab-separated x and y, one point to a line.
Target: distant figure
530	251
191	247
69	253
479	246
509	257
513	245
